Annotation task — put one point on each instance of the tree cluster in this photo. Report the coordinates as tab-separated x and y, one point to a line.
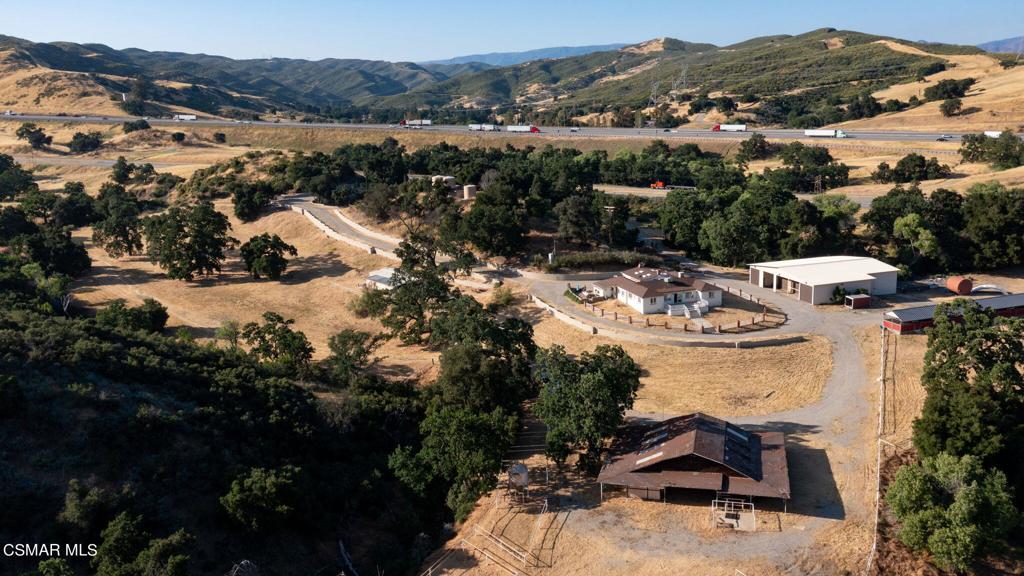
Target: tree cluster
34	135
947	231
911	168
82	142
948	89
1004	152
959	502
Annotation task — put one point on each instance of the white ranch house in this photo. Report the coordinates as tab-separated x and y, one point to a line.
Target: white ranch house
655	291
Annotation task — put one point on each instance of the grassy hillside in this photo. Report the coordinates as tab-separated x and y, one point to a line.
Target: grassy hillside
818	72
542	80
256	84
841	61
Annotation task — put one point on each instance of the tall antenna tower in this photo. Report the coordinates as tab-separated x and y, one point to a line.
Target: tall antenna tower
654	94
680	81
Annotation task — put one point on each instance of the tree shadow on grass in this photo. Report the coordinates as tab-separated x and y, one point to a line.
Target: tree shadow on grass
307	268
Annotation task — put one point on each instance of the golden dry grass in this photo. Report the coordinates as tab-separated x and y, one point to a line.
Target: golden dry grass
320	283
34	89
995	102
904	393
678	380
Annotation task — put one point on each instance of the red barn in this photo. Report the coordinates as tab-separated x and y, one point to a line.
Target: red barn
916	319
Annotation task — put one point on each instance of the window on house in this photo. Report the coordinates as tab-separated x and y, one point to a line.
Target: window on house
653	300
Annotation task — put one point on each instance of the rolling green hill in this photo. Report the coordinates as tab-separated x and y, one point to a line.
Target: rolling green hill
768	65
274	82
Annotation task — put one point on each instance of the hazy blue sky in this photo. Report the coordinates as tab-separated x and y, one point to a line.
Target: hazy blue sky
423	30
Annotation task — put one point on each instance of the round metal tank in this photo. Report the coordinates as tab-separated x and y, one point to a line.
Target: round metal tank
519	475
959	285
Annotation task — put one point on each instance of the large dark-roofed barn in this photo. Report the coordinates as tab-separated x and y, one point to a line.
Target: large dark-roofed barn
698	452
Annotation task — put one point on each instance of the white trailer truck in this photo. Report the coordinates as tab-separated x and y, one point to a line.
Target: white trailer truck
411	123
729	128
483	128
993	133
825	134
526	128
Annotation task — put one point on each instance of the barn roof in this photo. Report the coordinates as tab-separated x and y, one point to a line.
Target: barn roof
827	269
918	313
699	452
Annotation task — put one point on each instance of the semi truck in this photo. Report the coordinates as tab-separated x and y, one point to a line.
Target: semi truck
484	127
729	128
825	134
184	117
993	133
415	123
525	128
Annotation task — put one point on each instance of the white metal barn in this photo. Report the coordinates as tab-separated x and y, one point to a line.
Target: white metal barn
814	280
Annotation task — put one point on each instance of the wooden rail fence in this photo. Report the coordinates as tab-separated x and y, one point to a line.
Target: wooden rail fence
757	320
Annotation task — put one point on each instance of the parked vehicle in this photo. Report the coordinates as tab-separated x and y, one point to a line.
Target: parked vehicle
527	128
729	128
825	134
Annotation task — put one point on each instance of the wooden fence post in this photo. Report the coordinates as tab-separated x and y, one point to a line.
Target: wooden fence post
647	322
616	317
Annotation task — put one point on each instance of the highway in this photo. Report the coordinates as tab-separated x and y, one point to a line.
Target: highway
651	133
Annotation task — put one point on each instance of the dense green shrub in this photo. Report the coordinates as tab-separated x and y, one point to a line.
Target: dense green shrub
150	316
82	142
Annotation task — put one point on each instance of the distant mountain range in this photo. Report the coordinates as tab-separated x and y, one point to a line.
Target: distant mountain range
1007	45
512	58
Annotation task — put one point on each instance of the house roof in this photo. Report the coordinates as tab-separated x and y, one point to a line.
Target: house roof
382	276
650	282
918	313
699	452
827	269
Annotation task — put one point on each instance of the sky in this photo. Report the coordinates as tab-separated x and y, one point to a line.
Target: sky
405	30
